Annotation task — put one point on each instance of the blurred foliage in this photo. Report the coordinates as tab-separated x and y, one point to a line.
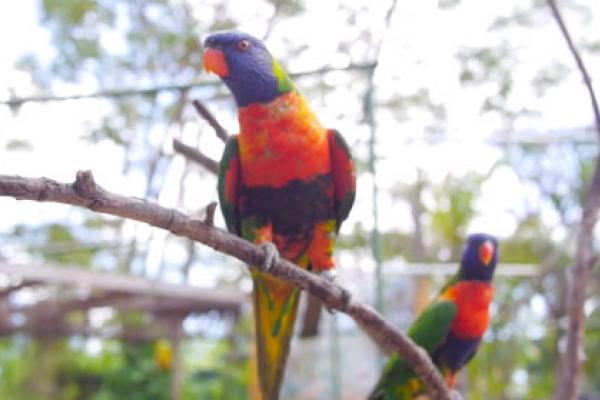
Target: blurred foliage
58	233
136	376
64	369
549	78
454	209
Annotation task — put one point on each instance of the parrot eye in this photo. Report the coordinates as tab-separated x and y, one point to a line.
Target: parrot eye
243	45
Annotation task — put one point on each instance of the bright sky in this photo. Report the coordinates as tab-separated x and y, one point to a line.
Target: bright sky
419	50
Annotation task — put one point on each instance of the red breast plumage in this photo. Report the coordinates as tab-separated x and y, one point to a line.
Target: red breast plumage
472	300
282	141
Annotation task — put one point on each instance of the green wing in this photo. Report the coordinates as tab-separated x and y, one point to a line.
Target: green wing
229	185
428	331
344	175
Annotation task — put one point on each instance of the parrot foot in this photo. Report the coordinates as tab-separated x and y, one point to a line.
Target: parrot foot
331	275
271	255
346	298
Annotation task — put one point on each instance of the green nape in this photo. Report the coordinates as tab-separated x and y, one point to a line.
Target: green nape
284	83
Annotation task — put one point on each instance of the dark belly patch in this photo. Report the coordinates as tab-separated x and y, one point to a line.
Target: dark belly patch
455	352
293	209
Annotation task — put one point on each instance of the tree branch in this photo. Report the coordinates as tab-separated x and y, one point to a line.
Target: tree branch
571	364
84	192
196	156
207	115
578	60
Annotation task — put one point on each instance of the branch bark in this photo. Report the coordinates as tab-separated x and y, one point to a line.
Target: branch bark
196	156
84	192
587	80
571	364
210	118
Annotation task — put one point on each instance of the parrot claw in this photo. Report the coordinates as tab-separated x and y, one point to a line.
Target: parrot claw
346	297
330	274
271	255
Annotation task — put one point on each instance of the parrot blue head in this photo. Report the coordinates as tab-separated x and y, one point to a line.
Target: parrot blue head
479	258
246	66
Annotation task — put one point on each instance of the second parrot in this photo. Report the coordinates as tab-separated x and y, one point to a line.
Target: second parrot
451	327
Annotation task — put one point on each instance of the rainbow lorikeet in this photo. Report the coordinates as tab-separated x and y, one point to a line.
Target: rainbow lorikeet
451	327
285	181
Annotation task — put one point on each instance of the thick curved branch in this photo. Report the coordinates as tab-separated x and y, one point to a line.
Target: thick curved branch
571	364
84	192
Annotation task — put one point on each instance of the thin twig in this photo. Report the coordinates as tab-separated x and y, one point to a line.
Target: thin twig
212	121
587	80
271	24
209	217
568	386
84	192
196	155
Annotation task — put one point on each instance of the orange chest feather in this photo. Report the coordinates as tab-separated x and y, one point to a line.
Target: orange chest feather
472	299
281	141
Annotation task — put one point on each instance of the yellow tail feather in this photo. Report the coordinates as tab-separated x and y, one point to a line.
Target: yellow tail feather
275	307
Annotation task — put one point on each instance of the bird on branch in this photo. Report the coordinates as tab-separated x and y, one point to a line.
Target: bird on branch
285	182
451	327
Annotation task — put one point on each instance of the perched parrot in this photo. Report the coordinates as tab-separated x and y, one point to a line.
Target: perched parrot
451	327
285	182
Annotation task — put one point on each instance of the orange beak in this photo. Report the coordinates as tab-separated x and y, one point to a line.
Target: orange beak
486	252
214	61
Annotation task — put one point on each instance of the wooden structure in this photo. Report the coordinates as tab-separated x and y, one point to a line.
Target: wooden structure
59	298
58	293
51	301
